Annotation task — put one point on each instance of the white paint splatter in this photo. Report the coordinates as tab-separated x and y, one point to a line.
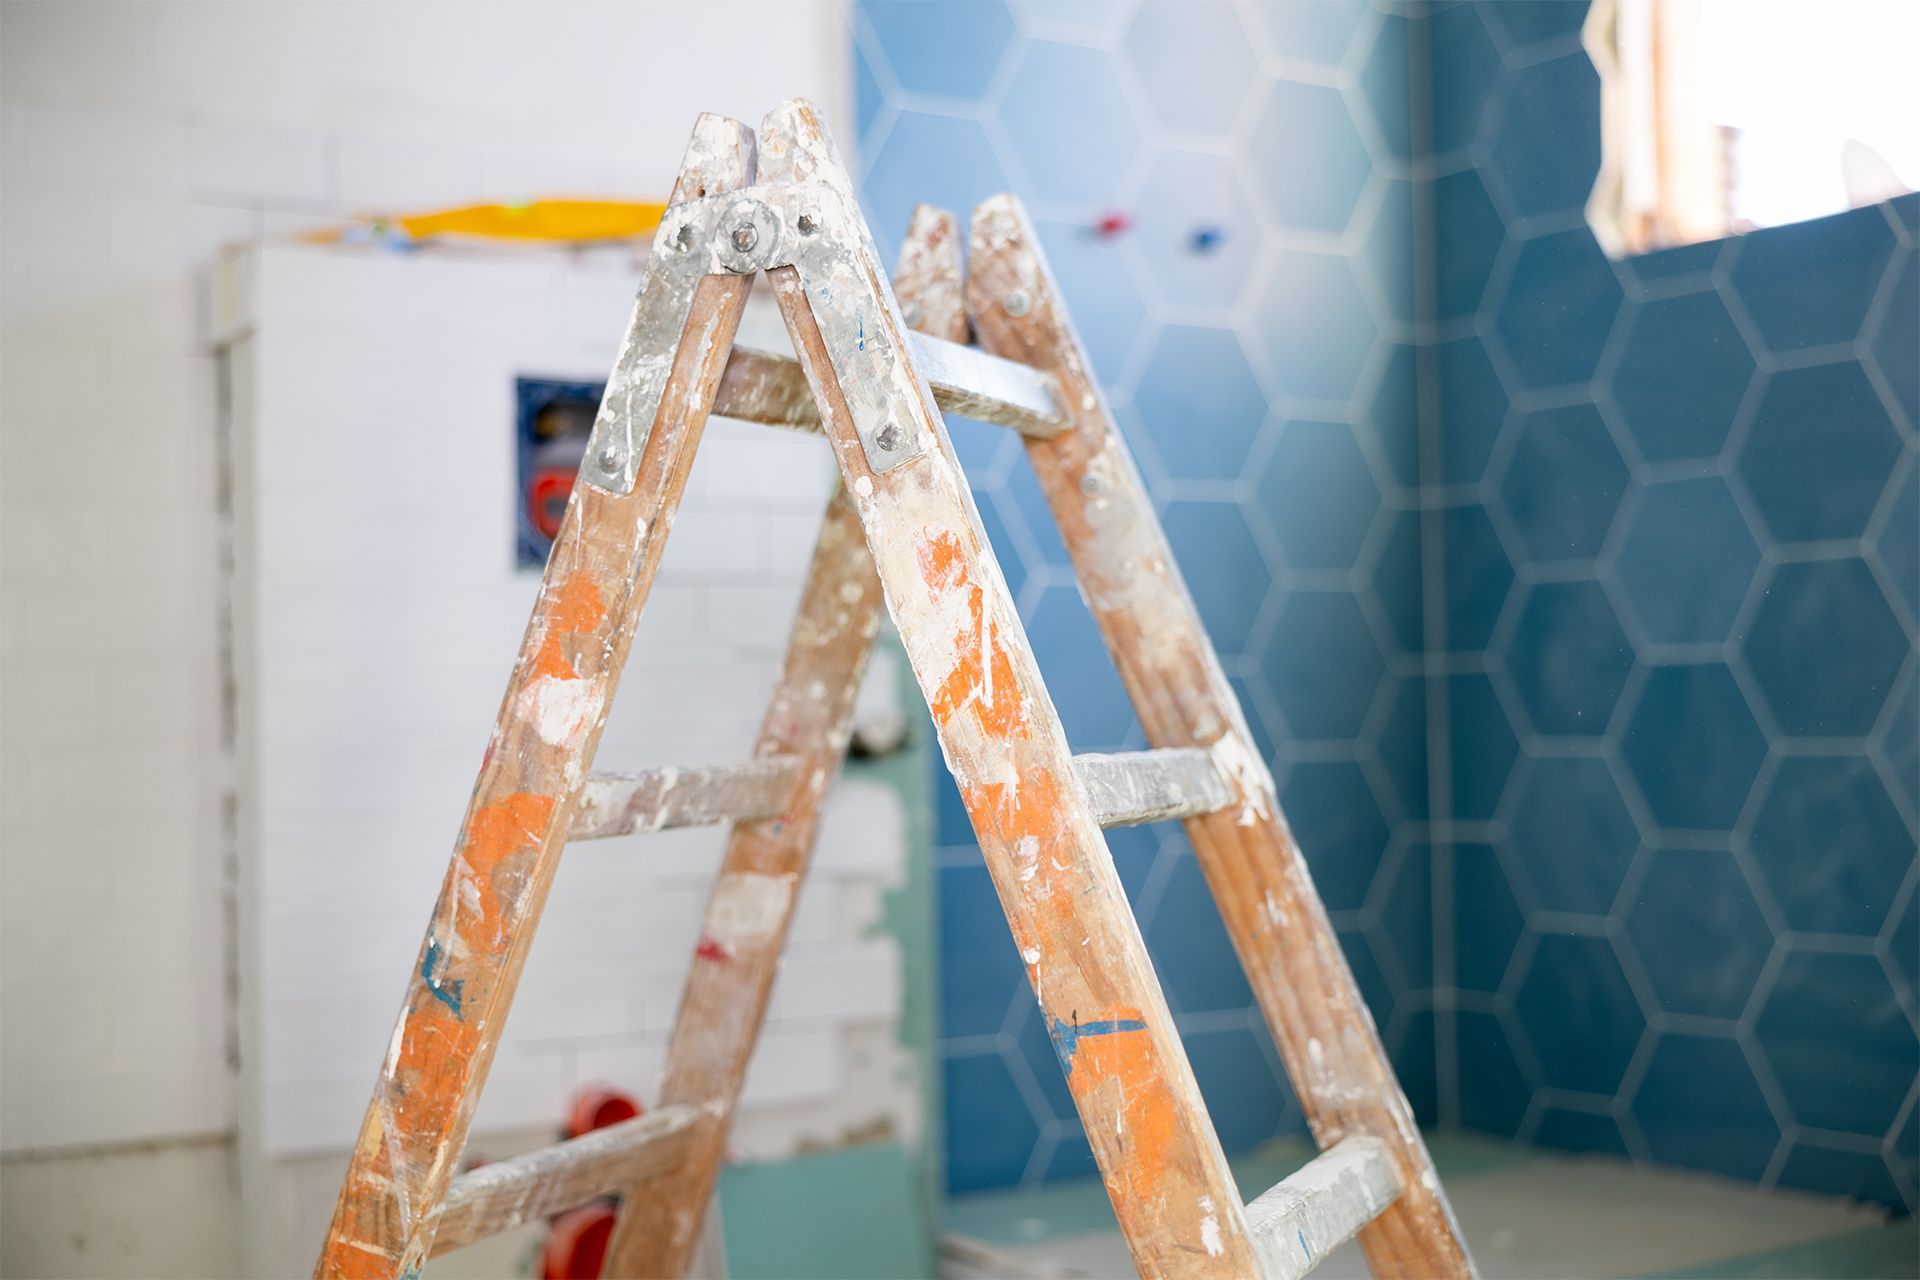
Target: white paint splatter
1210	1229
863	486
560	711
1031	955
748	908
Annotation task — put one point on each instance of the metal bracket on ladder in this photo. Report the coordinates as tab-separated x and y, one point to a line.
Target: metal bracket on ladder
876	386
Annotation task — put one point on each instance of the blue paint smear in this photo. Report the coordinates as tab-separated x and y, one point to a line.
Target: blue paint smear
1068	1035
449	996
862	322
1304	1248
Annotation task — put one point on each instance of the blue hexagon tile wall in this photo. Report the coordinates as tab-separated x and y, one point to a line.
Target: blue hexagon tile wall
1668	510
1246	328
1689	923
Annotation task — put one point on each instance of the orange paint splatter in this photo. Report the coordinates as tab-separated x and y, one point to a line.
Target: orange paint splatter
1119	1056
573	608
1006	813
982	675
498	831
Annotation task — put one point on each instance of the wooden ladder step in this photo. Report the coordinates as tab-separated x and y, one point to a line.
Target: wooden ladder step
500	1196
1321	1207
759	386
1133	787
1122	790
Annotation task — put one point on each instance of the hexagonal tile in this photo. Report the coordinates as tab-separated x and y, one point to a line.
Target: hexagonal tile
1375	990
1825	648
1529	22
980	971
1388	413
1895	341
1085	21
1315	31
1222	565
1401	747
900	178
1572	834
1831	845
1569	658
1698	932
1473	404
1086	690
1898	541
1457	41
1386	257
869	100
1546	147
1099	292
1487	746
1904	947
1838	1042
1029	519
1243	1095
1487	922
1042	1059
1070	123
983	1102
1687	561
1579	1012
1900	741
1007	550
1406	916
1692	746
1559	307
1494	1093
1682	375
1309	157
1194	62
1318	495
1819	452
1833	1171
1411	1048
1323	664
1570	1129
1315	325
1380	97
1699	1107
1200	402
1467	233
1396	582
1810	284
1191	950
946	51
1556	520
1340	828
1477	579
1184	192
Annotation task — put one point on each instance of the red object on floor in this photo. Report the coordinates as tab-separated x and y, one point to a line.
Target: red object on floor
577	1243
598	1106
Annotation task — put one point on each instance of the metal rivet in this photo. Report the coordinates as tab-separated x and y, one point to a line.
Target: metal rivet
912	315
1090	484
807	224
889	438
745	237
610	459
1017	303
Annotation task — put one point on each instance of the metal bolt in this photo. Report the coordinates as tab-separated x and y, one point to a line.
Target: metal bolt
745	237
1017	303
1090	484
610	460
912	315
889	438
807	224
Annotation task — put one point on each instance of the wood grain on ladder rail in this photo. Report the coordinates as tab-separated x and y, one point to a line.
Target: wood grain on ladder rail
1168	1178
1259	879
603	563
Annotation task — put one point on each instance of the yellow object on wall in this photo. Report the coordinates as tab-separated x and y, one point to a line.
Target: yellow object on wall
572	221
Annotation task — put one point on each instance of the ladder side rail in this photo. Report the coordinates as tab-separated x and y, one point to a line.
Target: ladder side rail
597	579
1260	881
1172	1191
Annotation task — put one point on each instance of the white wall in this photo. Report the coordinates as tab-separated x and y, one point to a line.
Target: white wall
135	139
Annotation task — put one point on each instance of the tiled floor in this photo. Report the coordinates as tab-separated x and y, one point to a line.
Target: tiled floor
1525	1213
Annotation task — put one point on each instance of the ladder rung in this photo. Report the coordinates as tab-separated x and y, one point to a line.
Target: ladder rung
499	1197
759	386
1321	1207
1151	786
618	804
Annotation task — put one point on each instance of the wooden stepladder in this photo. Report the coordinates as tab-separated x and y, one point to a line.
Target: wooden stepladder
902	527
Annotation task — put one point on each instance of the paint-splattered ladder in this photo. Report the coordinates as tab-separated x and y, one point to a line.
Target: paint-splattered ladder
875	368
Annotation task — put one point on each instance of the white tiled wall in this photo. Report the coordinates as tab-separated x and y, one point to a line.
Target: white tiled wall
135	140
